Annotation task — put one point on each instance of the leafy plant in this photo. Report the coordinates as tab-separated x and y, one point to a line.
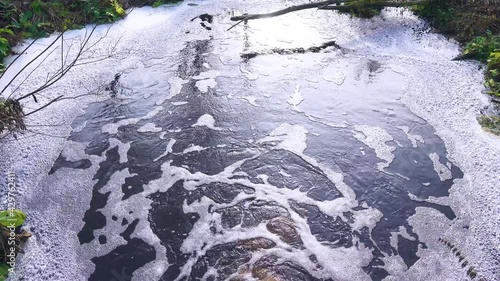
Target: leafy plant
37	6
12	217
157	3
4	48
118	8
481	47
4	51
490	123
4	271
493	73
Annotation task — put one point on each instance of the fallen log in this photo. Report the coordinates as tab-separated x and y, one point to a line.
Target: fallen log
289	10
323	5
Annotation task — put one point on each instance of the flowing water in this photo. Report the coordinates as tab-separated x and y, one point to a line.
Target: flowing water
236	155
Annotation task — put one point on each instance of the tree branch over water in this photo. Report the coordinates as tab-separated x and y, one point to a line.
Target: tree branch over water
340	5
12	114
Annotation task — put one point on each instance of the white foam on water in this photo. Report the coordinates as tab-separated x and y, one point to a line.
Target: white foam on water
251	100
206	120
176	84
194	148
206	80
290	137
442	170
376	138
412	137
149	127
122	149
249	75
167	151
296	98
112	128
337	78
177	103
448	95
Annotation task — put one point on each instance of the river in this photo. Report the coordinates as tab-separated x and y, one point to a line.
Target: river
250	154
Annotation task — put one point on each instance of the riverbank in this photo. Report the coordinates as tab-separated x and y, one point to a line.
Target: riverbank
21	20
476	26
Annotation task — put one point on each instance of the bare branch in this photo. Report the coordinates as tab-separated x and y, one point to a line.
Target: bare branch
58	74
45	134
20	84
62	52
288	10
34	59
25	49
44	106
323	5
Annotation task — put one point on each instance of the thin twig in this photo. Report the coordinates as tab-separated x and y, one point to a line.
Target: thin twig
25	49
31	72
44	106
288	10
56	76
323	5
45	134
34	59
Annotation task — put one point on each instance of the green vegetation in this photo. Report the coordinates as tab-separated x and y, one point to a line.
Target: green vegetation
461	19
490	123
158	3
486	49
481	47
14	217
11	238
493	74
33	19
362	8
